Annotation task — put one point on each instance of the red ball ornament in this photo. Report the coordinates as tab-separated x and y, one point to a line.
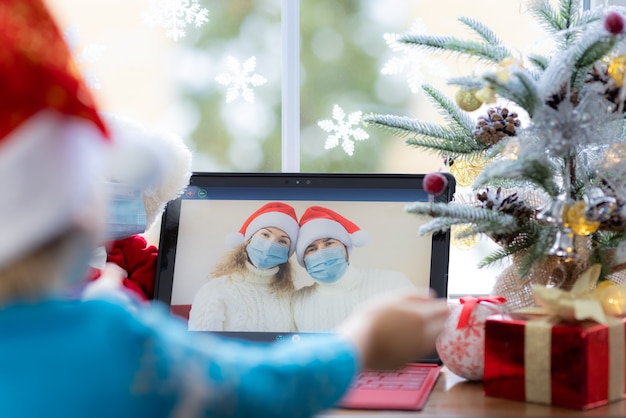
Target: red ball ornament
435	183
614	23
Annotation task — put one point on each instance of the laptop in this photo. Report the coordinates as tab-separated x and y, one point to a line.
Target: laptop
195	228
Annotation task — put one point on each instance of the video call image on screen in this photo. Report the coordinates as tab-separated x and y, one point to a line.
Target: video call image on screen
395	256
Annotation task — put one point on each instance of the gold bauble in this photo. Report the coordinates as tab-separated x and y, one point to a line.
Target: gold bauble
467	100
617	70
508	63
486	95
577	221
465	243
604	284
465	172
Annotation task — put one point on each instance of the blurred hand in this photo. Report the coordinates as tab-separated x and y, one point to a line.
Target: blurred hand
110	286
395	328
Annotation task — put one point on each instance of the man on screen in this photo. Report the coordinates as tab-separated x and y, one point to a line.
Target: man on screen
324	246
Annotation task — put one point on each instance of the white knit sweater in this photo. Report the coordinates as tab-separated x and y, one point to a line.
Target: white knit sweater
321	307
242	302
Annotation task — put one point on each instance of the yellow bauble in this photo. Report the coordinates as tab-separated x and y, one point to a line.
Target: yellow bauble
486	95
462	243
465	172
617	70
577	221
604	284
467	100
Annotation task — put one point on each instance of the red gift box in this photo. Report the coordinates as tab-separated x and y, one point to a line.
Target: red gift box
536	359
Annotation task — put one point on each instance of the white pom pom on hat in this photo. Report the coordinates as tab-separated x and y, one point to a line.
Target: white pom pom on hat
274	214
318	222
155	162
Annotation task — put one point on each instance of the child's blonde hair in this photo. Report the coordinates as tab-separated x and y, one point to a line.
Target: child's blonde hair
43	269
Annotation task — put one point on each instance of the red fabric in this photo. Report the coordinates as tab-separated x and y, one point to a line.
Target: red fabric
470	302
37	69
579	360
138	259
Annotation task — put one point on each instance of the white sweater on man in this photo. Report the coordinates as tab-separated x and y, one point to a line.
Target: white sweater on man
322	306
241	302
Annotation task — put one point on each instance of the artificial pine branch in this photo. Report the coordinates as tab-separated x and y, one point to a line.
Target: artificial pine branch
587	52
440	224
534	243
547	17
454	140
539	61
519	88
449	110
453	45
558	22
481	30
463	213
405	126
468	83
535	170
489	228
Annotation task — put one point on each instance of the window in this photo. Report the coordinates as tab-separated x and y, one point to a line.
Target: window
245	71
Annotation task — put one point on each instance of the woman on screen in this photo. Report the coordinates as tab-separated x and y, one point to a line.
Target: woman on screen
324	246
251	287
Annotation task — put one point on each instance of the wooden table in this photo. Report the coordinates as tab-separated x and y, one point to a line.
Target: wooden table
456	397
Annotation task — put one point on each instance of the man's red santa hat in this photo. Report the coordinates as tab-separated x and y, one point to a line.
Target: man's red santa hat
318	222
51	135
273	214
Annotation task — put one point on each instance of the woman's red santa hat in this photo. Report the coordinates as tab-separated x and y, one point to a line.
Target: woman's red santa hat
318	222
273	214
51	135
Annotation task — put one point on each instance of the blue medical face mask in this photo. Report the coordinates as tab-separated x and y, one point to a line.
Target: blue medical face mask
265	254
126	212
327	265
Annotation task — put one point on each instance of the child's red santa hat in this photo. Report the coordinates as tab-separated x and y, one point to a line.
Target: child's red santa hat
51	135
273	214
318	222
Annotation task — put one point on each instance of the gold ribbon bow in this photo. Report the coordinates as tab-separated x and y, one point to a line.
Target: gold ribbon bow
581	303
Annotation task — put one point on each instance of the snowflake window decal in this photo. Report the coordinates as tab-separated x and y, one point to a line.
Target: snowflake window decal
240	79
174	16
343	130
84	56
410	61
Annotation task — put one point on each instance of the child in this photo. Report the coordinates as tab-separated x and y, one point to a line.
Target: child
71	358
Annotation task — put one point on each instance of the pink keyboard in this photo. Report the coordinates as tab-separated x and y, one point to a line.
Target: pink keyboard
405	389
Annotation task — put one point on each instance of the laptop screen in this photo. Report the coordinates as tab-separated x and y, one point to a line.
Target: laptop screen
197	227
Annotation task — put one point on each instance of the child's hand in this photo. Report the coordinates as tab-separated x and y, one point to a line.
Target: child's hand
109	286
396	328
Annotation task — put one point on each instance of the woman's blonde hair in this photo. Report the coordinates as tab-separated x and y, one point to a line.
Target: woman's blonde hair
43	269
235	262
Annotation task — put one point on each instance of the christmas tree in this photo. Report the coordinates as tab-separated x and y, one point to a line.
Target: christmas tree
554	186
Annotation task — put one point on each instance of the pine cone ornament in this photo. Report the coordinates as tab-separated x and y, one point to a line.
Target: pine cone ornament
610	88
496	125
510	204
